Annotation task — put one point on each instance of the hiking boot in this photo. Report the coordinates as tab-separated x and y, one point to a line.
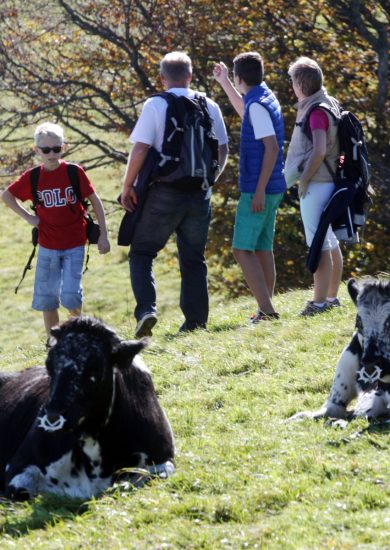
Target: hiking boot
333	303
145	325
312	309
261	316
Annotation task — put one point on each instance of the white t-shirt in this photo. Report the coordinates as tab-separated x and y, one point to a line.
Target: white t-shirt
150	126
261	121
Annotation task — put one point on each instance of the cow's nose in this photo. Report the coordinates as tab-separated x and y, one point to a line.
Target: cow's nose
53	417
369	366
53	414
370	359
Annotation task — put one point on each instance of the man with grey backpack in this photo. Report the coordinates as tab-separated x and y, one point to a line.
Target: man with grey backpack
188	132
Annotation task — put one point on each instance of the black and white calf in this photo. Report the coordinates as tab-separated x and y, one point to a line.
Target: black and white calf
93	411
363	369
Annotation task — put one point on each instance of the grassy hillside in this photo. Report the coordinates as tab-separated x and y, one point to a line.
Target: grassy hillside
245	477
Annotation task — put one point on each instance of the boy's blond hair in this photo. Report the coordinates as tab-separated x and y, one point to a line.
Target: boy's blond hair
48	129
307	74
176	66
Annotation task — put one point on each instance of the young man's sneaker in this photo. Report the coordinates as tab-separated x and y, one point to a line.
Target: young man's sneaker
261	316
145	325
313	309
333	303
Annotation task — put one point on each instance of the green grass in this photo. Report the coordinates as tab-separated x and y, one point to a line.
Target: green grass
245	477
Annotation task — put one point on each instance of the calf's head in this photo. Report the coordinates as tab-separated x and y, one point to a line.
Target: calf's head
372	299
81	360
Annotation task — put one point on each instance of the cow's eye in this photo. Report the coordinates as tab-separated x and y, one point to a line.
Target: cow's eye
359	323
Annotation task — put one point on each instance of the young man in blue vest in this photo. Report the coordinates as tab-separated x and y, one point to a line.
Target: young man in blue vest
261	179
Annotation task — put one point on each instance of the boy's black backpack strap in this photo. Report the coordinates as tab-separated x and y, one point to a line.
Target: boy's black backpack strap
34	239
74	179
73	175
34	179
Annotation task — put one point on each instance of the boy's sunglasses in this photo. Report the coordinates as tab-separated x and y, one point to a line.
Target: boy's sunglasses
46	150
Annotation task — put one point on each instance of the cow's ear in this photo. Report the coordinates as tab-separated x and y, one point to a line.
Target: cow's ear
53	337
125	350
353	289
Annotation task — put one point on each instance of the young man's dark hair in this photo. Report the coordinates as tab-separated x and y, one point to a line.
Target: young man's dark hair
249	67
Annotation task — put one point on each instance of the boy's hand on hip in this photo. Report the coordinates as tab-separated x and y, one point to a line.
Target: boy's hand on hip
33	220
258	202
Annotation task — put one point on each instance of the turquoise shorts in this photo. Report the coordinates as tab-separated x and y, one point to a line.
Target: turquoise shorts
255	230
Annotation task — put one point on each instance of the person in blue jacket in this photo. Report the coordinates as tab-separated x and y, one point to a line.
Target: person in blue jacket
261	178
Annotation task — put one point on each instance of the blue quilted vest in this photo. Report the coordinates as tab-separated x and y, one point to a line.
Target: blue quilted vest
252	150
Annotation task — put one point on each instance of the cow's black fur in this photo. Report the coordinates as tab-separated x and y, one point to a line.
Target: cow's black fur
93	411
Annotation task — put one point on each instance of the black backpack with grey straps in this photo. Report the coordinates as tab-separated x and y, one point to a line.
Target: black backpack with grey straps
189	154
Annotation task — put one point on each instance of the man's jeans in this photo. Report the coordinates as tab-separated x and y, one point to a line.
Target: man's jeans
166	211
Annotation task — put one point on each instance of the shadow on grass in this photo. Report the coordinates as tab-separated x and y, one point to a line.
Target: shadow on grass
376	427
18	518
224	326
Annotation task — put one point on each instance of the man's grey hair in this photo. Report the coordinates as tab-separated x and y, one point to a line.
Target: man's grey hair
176	66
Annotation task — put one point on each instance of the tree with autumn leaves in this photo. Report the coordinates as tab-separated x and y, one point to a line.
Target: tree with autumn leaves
90	65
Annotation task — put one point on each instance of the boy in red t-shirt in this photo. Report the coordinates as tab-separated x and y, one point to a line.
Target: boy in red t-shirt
62	226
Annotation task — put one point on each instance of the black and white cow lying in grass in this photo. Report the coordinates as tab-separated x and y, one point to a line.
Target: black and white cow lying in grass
93	411
363	369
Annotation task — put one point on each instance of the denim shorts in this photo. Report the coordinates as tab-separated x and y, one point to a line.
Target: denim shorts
58	279
255	230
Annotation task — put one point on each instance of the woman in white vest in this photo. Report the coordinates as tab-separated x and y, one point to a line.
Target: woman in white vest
307	163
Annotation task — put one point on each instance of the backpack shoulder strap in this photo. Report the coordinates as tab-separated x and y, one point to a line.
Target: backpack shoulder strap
201	99
73	175
307	131
34	235
171	99
173	127
168	96
34	179
324	107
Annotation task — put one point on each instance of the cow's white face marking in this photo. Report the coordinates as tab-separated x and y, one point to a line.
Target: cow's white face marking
48	426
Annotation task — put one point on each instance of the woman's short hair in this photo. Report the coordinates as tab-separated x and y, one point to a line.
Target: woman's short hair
176	66
249	67
307	74
48	129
